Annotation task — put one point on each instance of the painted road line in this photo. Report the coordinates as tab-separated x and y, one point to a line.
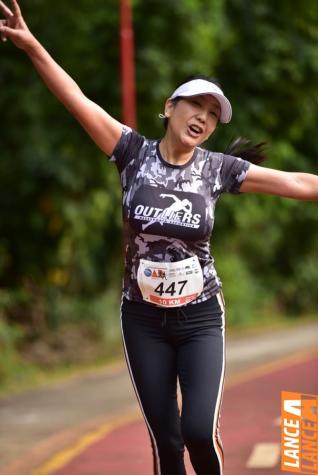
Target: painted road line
60	459
264	455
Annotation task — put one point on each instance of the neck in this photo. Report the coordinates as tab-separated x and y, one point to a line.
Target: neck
174	154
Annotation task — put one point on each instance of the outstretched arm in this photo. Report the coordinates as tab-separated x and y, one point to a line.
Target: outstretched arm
300	186
102	128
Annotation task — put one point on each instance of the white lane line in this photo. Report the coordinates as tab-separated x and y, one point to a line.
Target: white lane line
264	455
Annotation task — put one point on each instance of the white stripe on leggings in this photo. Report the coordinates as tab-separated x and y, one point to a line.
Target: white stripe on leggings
157	460
217	448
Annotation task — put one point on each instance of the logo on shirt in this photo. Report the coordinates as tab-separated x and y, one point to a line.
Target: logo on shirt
176	214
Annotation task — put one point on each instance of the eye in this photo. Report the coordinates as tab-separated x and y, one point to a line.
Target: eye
214	115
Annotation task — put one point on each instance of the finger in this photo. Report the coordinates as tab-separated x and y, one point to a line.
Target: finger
16	8
7	32
3	23
5	10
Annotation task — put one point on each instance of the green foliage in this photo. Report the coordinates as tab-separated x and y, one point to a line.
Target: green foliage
58	196
243	294
60	227
11	365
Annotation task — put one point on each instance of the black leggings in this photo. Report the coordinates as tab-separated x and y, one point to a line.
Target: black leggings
185	343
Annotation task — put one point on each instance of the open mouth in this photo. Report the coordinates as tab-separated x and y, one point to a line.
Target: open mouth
195	130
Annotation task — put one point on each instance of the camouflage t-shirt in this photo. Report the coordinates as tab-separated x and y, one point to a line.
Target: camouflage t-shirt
168	210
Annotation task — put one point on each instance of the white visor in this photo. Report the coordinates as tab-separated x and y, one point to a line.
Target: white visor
199	87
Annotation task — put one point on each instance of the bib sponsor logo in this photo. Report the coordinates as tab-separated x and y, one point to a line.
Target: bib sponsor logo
147	272
299	433
179	213
155	273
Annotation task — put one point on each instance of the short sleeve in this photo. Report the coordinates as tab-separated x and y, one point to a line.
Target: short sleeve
233	173
127	147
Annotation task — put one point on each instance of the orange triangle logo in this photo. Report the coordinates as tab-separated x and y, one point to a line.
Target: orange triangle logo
154	274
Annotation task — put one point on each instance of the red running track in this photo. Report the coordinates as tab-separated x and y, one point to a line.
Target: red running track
249	416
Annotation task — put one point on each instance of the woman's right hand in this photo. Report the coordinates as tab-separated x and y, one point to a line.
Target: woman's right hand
14	26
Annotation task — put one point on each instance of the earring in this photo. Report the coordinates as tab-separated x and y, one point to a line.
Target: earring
161	116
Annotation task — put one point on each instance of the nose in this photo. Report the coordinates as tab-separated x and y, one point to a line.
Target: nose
202	116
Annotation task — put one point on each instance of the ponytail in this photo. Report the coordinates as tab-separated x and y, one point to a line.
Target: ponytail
242	147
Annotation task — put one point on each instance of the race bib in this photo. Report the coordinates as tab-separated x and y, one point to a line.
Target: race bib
170	284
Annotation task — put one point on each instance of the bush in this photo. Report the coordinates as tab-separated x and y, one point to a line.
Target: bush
11	365
246	301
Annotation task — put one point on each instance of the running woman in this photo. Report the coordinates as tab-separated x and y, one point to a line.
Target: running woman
172	310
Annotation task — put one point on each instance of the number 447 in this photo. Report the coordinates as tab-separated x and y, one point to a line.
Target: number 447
171	289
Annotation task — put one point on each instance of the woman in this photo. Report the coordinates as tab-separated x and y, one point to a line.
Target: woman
172	308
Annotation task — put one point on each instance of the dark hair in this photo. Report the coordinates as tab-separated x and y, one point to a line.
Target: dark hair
243	148
238	147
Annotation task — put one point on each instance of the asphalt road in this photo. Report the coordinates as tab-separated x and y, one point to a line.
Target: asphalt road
35	424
